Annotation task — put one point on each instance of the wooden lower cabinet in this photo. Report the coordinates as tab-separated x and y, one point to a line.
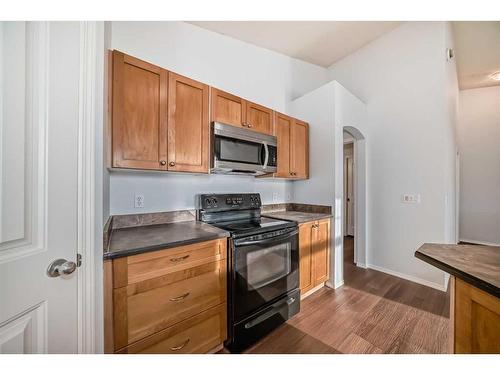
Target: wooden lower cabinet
475	316
199	334
167	301
314	244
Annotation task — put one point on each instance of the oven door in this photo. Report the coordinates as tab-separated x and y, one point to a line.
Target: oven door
265	267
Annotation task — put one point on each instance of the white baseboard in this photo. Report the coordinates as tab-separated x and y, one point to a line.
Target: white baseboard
408	277
361	265
479	242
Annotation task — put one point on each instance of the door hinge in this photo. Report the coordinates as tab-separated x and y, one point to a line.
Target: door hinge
78	259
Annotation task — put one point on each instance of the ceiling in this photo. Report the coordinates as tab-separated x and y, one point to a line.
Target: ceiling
318	42
477	50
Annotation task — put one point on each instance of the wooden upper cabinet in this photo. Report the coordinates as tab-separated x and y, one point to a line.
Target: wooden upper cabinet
299	145
282	126
188	126
293	147
227	108
233	110
139	114
258	118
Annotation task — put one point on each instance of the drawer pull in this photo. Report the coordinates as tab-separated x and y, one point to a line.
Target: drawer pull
175	348
179	258
180	298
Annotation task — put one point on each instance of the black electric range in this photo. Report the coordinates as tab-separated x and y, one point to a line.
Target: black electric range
263	266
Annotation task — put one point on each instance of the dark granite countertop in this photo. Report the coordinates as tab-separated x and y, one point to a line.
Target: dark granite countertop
297	216
140	239
476	264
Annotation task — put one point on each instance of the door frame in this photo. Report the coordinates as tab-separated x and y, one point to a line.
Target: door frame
90	193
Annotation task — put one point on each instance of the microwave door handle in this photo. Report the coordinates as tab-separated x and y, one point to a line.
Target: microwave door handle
266	157
268	240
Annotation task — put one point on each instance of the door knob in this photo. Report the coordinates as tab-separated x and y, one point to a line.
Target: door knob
61	267
172	164
249	125
163	162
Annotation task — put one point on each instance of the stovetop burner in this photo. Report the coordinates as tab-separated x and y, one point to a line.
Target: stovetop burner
238	214
240	228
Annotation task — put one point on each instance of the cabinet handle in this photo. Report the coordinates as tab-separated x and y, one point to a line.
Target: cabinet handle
175	348
249	125
180	298
172	164
163	162
179	258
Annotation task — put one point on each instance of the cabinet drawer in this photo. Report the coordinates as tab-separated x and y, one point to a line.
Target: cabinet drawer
149	306
198	334
136	268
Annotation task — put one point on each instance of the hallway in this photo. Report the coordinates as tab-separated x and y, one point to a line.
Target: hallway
372	312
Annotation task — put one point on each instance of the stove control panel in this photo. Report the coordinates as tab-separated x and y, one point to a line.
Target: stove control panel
226	202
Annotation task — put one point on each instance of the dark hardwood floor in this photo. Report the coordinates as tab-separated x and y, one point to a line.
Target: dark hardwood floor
372	312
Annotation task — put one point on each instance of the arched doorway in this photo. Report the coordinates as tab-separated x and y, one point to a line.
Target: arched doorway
359	208
357	216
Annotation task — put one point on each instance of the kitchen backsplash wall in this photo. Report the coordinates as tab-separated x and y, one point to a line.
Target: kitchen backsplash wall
175	191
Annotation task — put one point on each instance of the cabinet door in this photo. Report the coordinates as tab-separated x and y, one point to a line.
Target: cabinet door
259	118
188	126
299	149
305	253
477	320
282	126
321	251
227	108
139	114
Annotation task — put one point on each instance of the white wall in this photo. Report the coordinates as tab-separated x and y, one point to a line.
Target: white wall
478	141
328	109
254	73
402	77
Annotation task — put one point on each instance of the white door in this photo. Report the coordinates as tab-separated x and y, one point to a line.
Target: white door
39	73
349	196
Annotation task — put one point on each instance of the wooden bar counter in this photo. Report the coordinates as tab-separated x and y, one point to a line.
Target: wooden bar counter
474	293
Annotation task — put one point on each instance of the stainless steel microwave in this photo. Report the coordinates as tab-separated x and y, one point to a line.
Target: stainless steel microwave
240	151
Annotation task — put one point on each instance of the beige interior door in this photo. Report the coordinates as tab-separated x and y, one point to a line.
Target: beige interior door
39	93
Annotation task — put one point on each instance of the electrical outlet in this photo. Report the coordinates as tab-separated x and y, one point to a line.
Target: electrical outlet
139	201
288	197
410	198
276	197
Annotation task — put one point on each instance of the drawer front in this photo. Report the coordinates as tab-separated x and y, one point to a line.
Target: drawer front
137	268
147	307
196	335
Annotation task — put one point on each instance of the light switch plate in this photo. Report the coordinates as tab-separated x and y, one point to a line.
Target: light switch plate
276	197
410	198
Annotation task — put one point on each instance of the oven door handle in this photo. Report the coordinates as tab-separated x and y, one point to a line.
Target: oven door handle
267	240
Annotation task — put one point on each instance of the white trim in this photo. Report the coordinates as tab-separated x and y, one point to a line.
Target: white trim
479	242
361	265
86	187
418	280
